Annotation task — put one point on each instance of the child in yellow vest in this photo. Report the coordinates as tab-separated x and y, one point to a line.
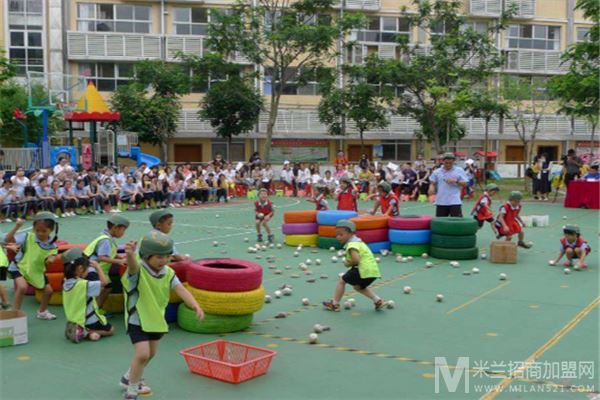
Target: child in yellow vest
103	250
83	318
162	221
36	251
363	267
147	284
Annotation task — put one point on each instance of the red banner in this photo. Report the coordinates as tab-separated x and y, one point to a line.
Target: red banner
300	142
86	156
588	143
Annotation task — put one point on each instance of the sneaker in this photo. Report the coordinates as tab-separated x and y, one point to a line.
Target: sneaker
271	238
259	238
5	306
329	306
142	387
55	216
130	396
46	315
380	304
523	244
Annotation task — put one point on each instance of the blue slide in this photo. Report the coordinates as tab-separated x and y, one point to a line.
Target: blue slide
140	157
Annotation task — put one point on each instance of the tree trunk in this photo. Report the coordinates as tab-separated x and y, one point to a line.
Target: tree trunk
592	139
485	150
362	143
164	151
271	126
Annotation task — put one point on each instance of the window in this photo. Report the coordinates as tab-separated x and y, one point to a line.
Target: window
106	76
25	45
539	37
113	18
583	34
466	147
233	152
190	21
477	26
291	86
396	150
385	29
531	86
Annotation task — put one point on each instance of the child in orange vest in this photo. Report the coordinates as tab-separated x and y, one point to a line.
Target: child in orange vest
387	200
347	196
320	199
574	247
509	222
482	210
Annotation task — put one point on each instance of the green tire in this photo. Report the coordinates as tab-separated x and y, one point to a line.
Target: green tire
453	242
454	226
454	254
410	249
187	320
327	242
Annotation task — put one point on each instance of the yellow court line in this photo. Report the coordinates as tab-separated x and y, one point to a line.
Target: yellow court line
474	299
539	352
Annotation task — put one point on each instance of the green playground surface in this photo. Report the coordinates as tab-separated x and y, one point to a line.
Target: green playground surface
540	324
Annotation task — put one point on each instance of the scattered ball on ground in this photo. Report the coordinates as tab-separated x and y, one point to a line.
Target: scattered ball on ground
308	272
295	276
483	256
425	255
332	249
296	254
347	305
502	276
312	280
334	259
404	259
246	240
215	244
398	258
277	293
312	338
324	276
268	298
466	272
317	328
287	267
378	259
564	217
287	291
352	301
551	262
281	315
409	258
308	261
407	289
305	301
390	304
439	297
217	216
384	252
475	270
340	253
258	257
428	264
278	272
271	245
278	245
318	261
567	271
576	267
454	264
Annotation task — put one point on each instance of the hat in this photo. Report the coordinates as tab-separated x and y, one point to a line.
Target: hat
44	215
345	179
71	255
571	229
346	223
156	216
156	243
595	164
469	161
263	190
286	162
515	195
386	187
119	220
449	156
491	186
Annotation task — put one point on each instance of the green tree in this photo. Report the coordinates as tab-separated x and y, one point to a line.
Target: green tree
7	68
282	37
150	105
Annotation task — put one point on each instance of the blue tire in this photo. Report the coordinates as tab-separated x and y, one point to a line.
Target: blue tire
331	217
376	247
171	312
421	236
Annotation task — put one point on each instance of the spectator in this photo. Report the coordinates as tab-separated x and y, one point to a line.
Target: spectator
340	159
572	164
446	183
541	178
255	158
364	162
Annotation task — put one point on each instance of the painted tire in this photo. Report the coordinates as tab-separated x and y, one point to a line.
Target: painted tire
225	275
454	226
171	313
410	222
55	299
299	217
305	240
373	235
410	249
55	266
326	231
454	254
174	297
186	319
327	242
331	217
67	246
417	236
181	268
55	279
376	247
307	228
453	242
115	303
233	303
369	222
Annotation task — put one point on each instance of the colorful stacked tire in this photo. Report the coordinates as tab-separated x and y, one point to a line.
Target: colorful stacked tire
228	290
326	231
300	228
373	230
454	238
410	234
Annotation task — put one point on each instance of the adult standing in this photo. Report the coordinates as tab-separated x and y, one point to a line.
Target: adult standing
255	158
446	183
364	162
219	161
541	178
572	165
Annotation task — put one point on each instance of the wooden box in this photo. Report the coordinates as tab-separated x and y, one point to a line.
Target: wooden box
503	252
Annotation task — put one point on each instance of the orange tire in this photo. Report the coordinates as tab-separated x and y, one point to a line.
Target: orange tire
295	217
55	299
55	279
366	222
64	247
327	231
55	266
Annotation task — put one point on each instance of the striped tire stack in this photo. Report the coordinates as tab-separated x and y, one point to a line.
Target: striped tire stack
229	291
373	230
327	221
410	234
454	238
300	228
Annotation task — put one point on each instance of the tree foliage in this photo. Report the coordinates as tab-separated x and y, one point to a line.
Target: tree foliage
7	68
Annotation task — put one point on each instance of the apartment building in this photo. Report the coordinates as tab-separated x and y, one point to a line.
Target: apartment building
100	40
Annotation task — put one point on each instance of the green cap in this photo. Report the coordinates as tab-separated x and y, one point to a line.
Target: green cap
71	255
386	187
263	190
156	216
491	186
44	215
449	156
346	223
571	229
156	244
515	195
119	220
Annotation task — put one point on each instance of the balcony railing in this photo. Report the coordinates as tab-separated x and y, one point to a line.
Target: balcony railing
359	4
192	45
493	8
112	46
538	61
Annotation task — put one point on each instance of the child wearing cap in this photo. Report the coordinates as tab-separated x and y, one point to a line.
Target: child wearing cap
147	285
103	250
162	221
320	197
509	223
263	212
83	317
482	210
574	247
36	250
363	268
347	195
387	200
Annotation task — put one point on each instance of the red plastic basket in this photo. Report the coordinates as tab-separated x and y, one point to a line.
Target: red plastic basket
228	361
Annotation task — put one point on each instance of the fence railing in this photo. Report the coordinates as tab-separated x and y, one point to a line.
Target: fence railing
19	157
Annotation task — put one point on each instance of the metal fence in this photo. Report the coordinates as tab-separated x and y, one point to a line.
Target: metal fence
20	157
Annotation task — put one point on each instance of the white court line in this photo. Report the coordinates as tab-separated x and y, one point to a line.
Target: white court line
215	237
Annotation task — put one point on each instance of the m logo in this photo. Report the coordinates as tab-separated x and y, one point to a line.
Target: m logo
451	380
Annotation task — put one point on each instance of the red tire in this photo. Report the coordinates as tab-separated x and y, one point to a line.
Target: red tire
181	269
66	246
411	222
370	222
297	217
373	235
225	275
55	280
56	266
327	231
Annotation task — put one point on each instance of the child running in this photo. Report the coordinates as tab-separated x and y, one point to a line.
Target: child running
263	214
387	200
83	317
147	284
347	196
509	222
574	247
482	210
162	221
363	268
320	198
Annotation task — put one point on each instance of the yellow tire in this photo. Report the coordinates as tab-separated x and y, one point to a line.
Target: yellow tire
55	299
229	303
174	297
305	240
115	303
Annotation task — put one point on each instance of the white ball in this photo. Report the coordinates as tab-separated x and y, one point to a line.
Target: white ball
391	304
251	250
454	264
246	240
278	293
278	245
267	298
551	262
296	254
567	271
384	252
317	328
407	289
187	255
278	272
308	261
340	253
215	244
352	301
483	256
332	249
318	261
466	272
264	248
334	259
312	338
439	297
287	291
305	301
399	258
576	267
428	264
475	270
502	276
347	305
260	215
378	259
564	217
404	259
425	255
217	216
409	258
271	245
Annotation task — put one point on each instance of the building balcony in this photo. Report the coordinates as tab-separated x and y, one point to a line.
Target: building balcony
372	5
112	46
534	61
493	8
192	45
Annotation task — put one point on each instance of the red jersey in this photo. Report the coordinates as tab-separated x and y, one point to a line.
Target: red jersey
390	201
511	219
483	208
264	208
347	200
321	203
579	243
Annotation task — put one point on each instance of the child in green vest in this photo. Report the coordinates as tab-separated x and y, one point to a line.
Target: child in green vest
162	221
36	251
103	250
83	318
147	285
363	267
